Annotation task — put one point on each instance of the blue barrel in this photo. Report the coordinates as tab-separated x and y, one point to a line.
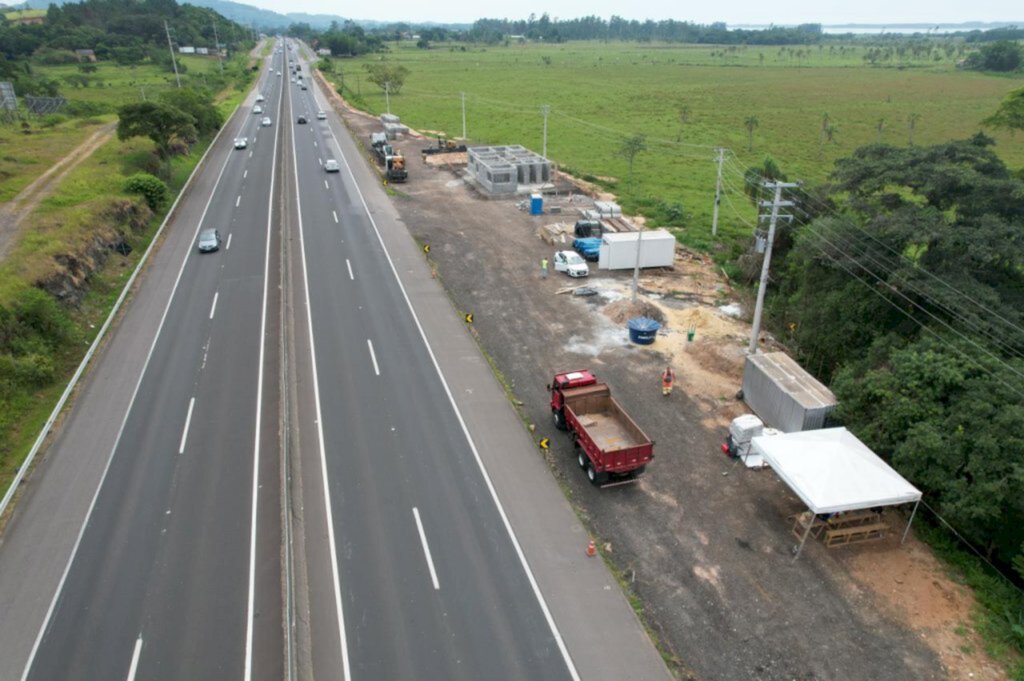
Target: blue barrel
642	330
536	204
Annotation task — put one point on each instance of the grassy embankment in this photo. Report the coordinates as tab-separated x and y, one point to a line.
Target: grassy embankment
600	93
62	224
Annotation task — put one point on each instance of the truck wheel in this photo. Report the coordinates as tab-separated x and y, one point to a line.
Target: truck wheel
559	419
596	479
581	459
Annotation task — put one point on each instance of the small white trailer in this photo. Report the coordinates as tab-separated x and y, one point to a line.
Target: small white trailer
618	249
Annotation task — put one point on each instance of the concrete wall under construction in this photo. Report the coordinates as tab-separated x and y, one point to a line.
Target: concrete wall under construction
500	170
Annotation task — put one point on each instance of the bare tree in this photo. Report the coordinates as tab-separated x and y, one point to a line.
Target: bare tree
912	120
879	127
750	123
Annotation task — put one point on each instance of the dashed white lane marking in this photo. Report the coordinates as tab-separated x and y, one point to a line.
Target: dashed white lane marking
349	265
335	214
326	186
188	420
245	174
213	308
135	659
373	356
238	200
426	548
227	246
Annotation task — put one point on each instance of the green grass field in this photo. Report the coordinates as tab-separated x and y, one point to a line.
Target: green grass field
24	14
601	93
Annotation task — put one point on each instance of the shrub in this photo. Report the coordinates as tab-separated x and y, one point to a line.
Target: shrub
152	189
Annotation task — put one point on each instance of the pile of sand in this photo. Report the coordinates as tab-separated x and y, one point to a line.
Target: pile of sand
621	311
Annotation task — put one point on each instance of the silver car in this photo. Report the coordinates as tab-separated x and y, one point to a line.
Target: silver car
257	109
265	122
209	240
331	166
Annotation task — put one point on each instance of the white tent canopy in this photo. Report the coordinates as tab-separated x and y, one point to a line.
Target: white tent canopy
832	471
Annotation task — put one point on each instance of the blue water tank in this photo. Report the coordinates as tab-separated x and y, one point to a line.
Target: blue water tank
536	204
642	330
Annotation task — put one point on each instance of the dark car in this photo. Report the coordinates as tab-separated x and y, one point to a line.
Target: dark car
301	120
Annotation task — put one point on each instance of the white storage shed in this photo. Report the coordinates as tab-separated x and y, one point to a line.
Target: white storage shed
618	250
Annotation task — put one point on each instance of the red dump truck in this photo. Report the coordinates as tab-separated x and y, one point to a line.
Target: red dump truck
610	447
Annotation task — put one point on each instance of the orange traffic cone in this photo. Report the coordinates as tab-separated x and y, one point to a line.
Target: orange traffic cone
591	549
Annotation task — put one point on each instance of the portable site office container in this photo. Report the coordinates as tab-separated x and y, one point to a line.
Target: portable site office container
618	250
783	394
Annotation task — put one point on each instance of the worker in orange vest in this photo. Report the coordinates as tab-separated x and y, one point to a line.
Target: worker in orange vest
667	378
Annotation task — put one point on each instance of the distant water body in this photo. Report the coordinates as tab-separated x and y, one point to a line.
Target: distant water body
861	29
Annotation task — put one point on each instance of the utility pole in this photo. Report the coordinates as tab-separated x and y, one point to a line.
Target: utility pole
636	267
216	45
387	94
170	47
546	109
463	116
718	192
775	204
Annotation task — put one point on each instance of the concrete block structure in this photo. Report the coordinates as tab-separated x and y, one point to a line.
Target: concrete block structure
500	170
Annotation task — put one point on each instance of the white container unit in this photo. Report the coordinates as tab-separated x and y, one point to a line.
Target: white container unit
618	250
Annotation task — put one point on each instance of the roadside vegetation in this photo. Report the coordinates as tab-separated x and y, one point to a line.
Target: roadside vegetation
898	283
72	254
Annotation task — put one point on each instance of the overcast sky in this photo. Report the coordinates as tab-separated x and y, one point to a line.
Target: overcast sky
730	11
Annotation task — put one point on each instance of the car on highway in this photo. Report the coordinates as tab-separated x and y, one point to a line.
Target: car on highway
241	142
321	116
293	79
331	166
571	263
301	120
278	74
302	85
265	122
259	98
209	240
257	109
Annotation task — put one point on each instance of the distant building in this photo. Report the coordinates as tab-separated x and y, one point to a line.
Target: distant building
27	21
324	52
202	50
186	49
85	55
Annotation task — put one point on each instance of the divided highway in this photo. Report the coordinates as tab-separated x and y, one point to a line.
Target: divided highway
274	481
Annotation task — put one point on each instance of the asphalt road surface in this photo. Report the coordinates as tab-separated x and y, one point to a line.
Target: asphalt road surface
177	574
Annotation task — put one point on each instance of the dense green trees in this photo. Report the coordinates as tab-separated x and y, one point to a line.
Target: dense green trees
1002	55
910	300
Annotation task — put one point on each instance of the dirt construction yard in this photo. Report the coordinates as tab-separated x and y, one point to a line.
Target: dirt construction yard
704	544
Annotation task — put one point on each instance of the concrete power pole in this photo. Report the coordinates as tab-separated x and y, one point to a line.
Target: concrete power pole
775	204
546	109
216	45
387	94
170	47
718	192
463	116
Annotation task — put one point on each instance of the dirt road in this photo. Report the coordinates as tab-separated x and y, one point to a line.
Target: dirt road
12	213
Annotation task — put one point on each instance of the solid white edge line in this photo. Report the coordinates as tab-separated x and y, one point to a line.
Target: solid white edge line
135	659
213	308
426	549
81	367
349	266
373	356
188	422
227	246
251	604
465	430
335	214
346	674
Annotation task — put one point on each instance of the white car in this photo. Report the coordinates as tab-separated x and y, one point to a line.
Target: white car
331	166
293	79
265	122
259	98
241	143
257	109
571	263
278	74
321	116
